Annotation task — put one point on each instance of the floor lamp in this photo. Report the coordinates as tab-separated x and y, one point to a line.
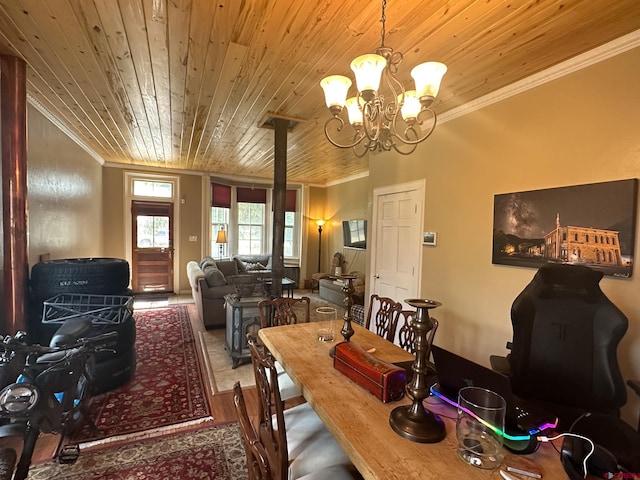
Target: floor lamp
221	239
320	223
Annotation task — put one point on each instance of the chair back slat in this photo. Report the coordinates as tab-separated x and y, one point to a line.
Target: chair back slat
284	311
271	427
257	462
385	317
407	336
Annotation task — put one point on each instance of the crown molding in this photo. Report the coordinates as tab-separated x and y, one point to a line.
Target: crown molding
351	178
592	57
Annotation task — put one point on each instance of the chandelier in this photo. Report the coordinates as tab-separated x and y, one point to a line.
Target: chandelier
400	121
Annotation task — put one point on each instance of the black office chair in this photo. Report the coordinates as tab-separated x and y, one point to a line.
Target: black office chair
566	333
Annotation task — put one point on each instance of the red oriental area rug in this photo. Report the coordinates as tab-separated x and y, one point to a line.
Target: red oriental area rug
168	387
209	453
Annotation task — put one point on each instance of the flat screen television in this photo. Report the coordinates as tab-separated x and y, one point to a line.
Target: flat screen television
354	234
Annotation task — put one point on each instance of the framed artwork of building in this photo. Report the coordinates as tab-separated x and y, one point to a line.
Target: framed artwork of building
592	225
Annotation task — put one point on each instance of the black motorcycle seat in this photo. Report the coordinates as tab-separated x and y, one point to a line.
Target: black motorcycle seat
70	331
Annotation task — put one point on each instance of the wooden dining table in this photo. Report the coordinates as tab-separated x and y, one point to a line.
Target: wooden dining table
360	422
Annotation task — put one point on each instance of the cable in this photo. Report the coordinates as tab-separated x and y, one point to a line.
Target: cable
584	462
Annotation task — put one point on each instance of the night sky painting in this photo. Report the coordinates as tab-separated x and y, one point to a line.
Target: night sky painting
592	224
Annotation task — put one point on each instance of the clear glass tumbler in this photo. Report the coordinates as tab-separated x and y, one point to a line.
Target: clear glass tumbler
327	323
479	427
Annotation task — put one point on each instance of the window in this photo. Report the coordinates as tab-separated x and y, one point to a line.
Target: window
153	231
289	233
219	221
220	211
250	228
245	213
148	188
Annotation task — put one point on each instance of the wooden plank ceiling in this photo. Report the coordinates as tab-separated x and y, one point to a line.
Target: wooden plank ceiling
184	84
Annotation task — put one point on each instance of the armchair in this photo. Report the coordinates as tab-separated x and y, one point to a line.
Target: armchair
336	261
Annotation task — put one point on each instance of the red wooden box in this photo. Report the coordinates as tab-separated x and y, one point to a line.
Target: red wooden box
384	380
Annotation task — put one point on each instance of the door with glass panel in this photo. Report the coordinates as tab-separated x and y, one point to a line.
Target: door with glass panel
152	249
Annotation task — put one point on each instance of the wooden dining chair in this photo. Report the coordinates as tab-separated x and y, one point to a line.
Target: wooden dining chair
385	317
257	462
407	336
295	440
284	311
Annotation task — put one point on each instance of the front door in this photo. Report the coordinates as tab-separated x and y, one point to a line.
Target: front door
152	247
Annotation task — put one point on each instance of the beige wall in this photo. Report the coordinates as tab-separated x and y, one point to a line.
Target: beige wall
64	194
187	215
113	212
346	201
575	130
317	197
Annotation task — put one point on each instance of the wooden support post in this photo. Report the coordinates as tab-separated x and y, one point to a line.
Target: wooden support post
279	199
15	267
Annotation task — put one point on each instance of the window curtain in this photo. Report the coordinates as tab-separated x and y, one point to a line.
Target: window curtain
220	195
251	195
290	201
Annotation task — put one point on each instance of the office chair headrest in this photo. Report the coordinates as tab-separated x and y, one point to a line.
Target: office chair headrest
562	280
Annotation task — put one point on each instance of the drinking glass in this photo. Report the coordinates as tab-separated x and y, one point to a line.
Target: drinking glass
327	329
479	427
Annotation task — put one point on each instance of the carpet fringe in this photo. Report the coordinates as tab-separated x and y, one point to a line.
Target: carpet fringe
145	434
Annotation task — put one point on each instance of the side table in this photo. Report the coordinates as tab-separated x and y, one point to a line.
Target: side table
243	316
287	285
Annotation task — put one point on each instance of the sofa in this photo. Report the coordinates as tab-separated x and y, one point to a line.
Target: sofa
254	264
211	280
330	289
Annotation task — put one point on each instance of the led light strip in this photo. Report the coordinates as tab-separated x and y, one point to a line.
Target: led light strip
492	427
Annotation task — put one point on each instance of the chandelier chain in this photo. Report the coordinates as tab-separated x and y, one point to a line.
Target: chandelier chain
383	20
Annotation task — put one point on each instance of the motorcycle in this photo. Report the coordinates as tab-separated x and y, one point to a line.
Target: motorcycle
48	393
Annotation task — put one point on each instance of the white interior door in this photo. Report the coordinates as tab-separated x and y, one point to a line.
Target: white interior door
397	247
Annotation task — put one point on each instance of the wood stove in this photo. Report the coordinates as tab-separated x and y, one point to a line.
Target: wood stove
243	316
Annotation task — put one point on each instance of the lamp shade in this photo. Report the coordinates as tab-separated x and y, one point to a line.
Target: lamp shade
427	77
368	70
411	106
335	90
354	112
222	236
